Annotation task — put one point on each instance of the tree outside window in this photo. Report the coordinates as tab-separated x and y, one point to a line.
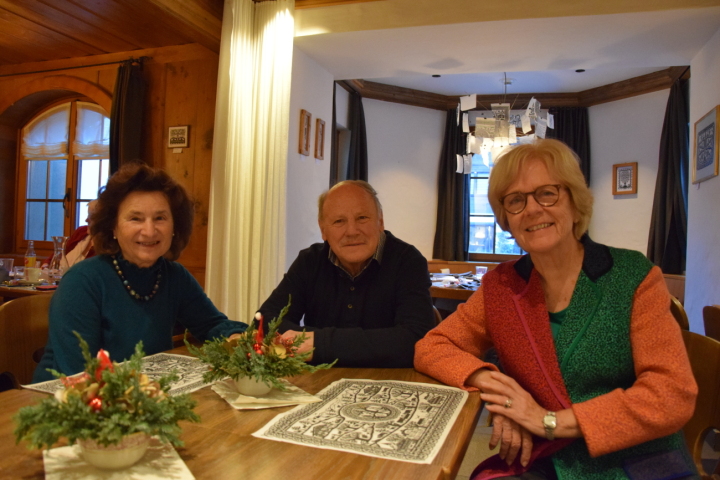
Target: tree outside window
64	160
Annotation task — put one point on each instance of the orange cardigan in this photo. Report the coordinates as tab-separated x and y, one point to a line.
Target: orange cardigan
659	403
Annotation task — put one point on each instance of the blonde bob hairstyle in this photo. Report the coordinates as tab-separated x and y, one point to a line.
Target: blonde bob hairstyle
561	162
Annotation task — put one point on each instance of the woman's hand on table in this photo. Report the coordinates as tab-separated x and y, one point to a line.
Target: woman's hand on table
513	439
504	396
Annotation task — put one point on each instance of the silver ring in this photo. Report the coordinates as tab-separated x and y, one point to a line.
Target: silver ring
508	403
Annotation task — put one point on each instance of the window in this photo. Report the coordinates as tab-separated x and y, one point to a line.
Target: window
486	236
63	162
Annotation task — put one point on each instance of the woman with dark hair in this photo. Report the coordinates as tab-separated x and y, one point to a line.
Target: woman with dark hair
132	289
596	382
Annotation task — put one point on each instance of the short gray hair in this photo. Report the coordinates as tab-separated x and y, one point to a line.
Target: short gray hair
358	183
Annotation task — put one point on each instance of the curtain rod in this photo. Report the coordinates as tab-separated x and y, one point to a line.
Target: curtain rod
131	60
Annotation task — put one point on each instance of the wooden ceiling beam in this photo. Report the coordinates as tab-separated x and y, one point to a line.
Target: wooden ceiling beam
641	85
402	95
652	82
205	26
109	61
300	4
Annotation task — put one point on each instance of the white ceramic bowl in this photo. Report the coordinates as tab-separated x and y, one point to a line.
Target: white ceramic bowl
251	387
115	457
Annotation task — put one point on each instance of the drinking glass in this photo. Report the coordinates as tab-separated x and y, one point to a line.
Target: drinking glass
6	268
479	272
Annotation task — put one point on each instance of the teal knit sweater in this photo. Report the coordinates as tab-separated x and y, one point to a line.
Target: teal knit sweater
92	301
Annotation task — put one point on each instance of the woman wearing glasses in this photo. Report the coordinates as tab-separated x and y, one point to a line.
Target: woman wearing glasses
596	381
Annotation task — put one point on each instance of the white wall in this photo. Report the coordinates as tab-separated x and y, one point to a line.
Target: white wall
702	285
307	177
404	145
620	132
342	103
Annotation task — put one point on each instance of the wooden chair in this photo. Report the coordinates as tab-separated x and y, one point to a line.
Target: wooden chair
438	316
676	286
23	335
704	354
711	318
679	313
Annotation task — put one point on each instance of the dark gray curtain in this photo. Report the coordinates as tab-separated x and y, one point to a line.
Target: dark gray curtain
334	143
573	128
126	116
357	168
667	243
453	211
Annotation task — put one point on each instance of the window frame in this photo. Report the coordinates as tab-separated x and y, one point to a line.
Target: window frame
71	202
487	257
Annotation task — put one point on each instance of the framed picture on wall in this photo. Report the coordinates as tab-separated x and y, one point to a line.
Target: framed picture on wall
625	178
304	147
705	160
178	136
319	139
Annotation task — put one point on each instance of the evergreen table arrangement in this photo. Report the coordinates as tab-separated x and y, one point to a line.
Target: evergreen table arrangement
110	406
253	355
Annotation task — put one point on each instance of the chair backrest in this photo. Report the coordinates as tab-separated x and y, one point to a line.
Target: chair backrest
676	286
438	316
711	318
23	331
679	313
704	354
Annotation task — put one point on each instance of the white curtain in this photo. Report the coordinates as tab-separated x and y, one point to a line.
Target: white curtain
92	135
47	135
246	234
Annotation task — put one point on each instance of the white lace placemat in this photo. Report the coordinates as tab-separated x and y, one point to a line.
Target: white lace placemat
386	419
161	461
275	398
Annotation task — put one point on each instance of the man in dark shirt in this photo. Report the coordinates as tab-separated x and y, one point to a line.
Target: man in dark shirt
362	295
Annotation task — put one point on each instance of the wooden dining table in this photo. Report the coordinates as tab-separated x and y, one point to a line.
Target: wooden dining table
9	293
222	445
451	293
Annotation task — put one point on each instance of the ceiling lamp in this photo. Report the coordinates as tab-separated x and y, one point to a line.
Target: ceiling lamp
499	129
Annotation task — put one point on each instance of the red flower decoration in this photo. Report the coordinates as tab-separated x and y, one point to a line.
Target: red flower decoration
96	404
105	364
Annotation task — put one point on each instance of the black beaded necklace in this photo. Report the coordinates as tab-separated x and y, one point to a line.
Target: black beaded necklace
129	288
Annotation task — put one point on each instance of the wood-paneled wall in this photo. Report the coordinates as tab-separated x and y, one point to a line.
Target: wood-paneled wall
181	87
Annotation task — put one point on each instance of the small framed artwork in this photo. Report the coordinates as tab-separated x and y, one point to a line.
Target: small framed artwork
625	178
705	161
319	139
304	146
178	136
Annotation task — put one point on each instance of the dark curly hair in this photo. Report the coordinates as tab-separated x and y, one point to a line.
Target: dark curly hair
138	177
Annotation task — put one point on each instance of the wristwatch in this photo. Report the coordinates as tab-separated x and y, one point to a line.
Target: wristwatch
550	422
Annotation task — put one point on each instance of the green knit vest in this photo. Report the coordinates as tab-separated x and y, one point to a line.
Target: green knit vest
593	362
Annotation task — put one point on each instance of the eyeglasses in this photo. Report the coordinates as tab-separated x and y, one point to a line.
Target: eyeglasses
545	195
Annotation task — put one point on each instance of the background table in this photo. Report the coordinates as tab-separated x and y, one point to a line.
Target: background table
221	446
8	293
452	293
